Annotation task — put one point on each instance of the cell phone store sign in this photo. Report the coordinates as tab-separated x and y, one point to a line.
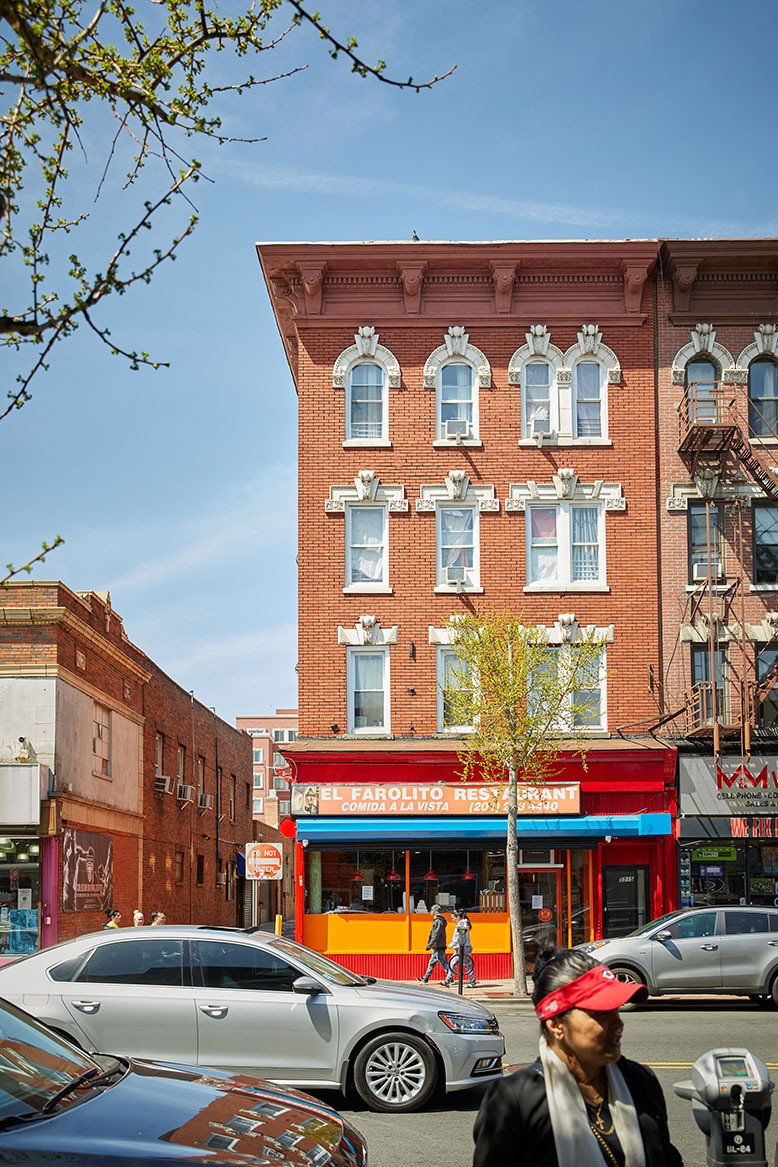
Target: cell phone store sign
441	799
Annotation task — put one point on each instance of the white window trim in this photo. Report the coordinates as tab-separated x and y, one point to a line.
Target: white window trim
589	348
474	584
566	631
566	489
457	490
456	349
368	731
442	653
703	344
367	488
566	725
366	349
376	586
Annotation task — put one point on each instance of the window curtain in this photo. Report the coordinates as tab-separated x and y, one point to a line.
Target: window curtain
367	545
544	552
366	402
368	690
537	399
456	537
456	398
585	549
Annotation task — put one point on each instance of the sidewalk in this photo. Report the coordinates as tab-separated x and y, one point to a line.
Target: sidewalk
487	992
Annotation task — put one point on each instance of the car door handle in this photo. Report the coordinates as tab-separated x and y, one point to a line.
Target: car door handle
87	1006
772	943
216	1011
709	947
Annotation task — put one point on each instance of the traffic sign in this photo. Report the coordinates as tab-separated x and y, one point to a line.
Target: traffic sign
264	861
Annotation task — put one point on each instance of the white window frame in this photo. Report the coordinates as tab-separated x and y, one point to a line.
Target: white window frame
445	654
381	584
362	439
258	756
159	753
564	544
553	399
352	653
472	574
258	805
602	399
366	350
565	658
473	435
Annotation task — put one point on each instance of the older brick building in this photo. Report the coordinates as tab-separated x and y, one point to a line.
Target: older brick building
477	430
117	787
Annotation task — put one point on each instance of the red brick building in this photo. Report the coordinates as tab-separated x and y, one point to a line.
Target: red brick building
718	424
118	789
477	431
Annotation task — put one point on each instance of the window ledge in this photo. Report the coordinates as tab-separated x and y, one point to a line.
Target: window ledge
719	589
366	443
453	590
449	443
105	777
766	587
755	441
563	440
564	587
368	590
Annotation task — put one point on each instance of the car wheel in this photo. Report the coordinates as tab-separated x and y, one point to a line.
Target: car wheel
773	998
395	1072
631	978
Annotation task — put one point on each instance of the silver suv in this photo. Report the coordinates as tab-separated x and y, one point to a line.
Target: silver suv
732	950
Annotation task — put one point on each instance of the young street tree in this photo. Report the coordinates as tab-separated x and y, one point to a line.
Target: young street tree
524	693
76	72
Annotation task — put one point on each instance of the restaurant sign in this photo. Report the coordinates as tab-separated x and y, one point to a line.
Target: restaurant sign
455	798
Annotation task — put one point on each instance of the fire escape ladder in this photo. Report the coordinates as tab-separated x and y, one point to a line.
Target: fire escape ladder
742	448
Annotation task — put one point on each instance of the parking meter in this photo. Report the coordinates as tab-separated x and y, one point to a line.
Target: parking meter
730	1094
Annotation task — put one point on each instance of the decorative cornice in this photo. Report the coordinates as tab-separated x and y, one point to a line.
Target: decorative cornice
366	345
456	342
367	487
565	486
81	631
456	487
368	631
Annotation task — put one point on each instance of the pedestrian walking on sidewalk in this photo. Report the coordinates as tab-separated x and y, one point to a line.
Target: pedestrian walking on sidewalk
581	1104
436	945
463	949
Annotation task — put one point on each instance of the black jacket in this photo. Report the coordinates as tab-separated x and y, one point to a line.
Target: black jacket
437	934
514	1126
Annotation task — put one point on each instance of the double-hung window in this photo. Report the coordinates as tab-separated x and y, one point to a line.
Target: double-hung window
536	399
572	688
587	390
366	403
457	412
366	547
101	741
368	690
706	542
763	398
457	546
564	545
710	692
455	693
767	707
703	396
765	544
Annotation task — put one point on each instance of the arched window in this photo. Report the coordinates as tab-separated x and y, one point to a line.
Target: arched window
457	404
763	398
366	402
540	407
588	382
703	395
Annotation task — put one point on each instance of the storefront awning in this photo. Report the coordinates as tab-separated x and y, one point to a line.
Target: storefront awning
396	831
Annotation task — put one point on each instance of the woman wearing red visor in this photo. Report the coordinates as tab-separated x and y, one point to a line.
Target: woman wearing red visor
581	1104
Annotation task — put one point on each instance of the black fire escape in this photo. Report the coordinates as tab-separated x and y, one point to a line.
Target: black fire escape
714	445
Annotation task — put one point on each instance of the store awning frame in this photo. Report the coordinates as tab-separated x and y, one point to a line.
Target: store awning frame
383	829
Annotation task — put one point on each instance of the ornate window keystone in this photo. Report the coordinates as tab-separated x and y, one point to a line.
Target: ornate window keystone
367	630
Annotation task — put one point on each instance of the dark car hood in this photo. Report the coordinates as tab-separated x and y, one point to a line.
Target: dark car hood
175	1114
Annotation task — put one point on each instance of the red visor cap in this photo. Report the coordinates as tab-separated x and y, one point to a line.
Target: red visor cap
597	989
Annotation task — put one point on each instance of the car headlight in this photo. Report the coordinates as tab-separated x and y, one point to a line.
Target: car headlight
593	945
465	1023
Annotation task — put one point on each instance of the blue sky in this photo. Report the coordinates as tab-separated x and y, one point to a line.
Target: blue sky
175	489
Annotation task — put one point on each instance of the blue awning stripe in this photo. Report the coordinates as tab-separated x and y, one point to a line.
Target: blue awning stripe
397	830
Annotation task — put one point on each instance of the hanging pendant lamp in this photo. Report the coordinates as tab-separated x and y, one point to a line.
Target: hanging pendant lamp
357	876
468	873
394	875
430	877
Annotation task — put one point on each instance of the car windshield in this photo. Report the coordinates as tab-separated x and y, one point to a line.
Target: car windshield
649	927
327	969
34	1065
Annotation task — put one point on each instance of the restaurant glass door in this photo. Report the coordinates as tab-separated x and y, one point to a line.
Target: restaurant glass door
540	896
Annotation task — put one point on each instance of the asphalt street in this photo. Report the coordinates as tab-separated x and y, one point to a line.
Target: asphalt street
667	1035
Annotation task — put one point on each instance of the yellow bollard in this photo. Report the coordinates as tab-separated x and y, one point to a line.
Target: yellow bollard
279	924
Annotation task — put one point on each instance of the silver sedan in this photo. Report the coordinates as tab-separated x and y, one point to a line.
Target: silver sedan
256	1003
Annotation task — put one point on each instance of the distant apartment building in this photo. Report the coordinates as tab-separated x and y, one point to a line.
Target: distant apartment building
271	771
118	788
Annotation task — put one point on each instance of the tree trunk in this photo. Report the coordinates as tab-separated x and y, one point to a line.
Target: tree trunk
512	886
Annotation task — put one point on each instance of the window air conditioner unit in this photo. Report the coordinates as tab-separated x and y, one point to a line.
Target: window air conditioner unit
700	570
163	784
456	429
540	425
205	801
185	793
221	879
456	575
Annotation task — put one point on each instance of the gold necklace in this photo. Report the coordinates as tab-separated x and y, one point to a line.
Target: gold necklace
609	1155
600	1121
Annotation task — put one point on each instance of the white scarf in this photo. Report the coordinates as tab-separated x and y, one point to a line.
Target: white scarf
575	1144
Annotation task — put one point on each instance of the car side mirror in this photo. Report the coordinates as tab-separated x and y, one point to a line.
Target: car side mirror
306	985
663	935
